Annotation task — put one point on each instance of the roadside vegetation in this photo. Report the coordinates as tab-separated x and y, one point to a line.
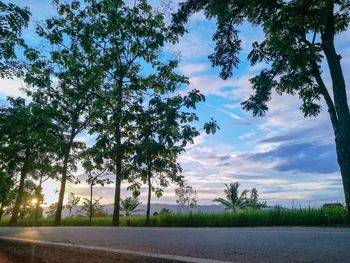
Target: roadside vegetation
245	218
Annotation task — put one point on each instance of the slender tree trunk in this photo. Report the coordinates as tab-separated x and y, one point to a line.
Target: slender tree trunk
24	209
38	196
90	214
116	210
149	176
58	215
118	177
1	210
14	217
119	157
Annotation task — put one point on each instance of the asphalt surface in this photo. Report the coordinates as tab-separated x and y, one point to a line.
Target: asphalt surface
263	244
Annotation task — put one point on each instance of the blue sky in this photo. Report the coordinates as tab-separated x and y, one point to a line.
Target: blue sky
286	157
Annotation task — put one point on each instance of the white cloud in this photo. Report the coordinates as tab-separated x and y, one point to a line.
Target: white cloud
192	69
233	106
248	135
11	87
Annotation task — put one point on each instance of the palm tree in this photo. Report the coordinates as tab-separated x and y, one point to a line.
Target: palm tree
129	205
234	201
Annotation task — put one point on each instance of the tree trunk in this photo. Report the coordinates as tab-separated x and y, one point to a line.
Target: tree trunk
342	129
343	152
90	214
58	215
24	209
38	196
1	210
148	211
119	157
14	217
118	176
116	210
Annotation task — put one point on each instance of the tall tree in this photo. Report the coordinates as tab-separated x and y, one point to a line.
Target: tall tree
27	131
299	37
163	131
64	78
12	21
123	42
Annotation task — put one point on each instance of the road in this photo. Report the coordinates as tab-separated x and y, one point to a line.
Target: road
265	244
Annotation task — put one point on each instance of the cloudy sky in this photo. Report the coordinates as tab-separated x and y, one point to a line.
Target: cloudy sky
289	159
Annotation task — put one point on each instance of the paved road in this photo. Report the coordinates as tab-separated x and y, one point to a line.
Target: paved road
270	244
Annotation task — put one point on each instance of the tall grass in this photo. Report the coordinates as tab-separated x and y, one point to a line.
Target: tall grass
278	217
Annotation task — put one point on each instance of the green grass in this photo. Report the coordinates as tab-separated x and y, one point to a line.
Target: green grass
295	217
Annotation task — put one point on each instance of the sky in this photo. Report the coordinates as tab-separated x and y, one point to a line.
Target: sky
290	159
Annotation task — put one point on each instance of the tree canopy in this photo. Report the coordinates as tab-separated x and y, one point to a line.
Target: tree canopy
12	21
299	35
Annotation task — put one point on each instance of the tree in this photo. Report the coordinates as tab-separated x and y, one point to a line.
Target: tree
129	205
64	78
50	213
27	208
27	132
96	172
73	201
97	208
12	21
6	193
164	130
234	201
253	200
120	41
186	197
299	37
45	168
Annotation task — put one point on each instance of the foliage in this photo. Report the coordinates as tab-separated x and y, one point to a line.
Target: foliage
63	78
51	211
299	38
73	201
129	205
12	21
27	208
115	42
295	32
6	193
186	197
244	218
97	208
164	130
164	211
235	201
253	200
28	137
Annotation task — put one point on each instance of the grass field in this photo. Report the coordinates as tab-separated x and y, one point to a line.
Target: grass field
279	217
